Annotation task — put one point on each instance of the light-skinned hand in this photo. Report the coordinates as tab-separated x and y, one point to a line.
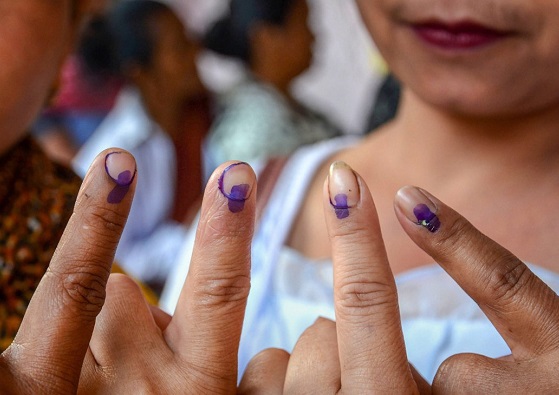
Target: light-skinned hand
364	351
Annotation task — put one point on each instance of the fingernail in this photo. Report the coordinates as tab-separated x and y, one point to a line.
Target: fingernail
418	208
121	168
235	184
343	189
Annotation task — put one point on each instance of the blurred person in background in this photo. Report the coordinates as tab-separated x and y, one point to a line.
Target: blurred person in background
161	116
86	91
258	118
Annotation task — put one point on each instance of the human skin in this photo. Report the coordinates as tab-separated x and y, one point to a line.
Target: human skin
101	335
137	347
364	350
477	127
279	54
48	351
171	79
512	77
36	35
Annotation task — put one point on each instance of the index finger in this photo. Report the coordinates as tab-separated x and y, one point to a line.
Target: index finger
370	339
59	321
522	308
206	326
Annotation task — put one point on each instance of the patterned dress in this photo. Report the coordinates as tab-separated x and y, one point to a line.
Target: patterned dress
37	198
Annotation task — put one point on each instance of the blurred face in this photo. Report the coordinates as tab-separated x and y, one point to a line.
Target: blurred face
474	57
299	38
34	37
173	69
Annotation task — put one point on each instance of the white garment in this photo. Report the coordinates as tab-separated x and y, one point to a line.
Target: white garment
256	122
150	241
289	292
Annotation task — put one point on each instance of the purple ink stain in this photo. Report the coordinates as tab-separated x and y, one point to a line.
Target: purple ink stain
238	194
125	178
121	189
123	182
237	197
340	207
427	218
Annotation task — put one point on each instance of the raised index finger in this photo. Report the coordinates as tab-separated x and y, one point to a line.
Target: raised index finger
523	309
206	327
370	339
57	326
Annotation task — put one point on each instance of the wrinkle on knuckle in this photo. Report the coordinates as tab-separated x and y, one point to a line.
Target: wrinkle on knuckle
83	291
359	297
354	233
224	291
507	280
106	221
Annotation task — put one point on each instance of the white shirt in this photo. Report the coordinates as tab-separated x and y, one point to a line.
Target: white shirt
150	241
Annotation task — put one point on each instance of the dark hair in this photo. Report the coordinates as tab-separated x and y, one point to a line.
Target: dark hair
133	37
230	36
95	47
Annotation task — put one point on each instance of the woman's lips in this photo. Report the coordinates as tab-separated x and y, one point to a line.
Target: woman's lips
457	36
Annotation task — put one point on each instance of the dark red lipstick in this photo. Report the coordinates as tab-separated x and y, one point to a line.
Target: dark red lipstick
457	36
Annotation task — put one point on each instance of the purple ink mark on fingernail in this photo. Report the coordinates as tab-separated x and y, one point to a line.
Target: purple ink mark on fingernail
121	189
124	178
239	193
123	182
427	218
237	197
341	207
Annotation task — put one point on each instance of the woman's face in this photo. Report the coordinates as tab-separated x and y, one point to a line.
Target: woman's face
35	35
173	67
482	58
299	38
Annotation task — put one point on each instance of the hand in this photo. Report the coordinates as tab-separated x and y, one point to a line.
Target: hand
523	309
138	348
48	351
364	351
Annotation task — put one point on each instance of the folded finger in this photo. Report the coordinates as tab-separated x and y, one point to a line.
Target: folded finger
314	365
124	328
371	344
523	309
206	326
477	374
265	373
61	316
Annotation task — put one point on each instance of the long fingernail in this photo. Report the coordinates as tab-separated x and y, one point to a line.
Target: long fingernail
121	168
418	208
343	189
235	184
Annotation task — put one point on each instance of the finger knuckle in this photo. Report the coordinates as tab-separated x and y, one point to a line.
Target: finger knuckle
452	370
506	281
83	291
224	291
358	297
104	221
